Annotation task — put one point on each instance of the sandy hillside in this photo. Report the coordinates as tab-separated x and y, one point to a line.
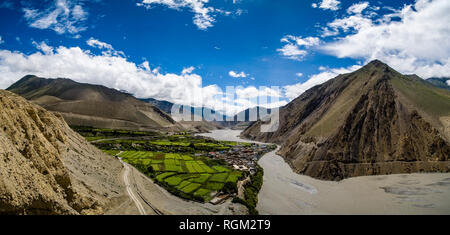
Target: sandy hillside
46	168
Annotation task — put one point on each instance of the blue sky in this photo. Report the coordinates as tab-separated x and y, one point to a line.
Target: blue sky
292	44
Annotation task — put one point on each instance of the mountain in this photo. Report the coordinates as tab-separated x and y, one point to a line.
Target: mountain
165	106
440	82
196	126
46	168
244	115
93	105
369	122
246	118
252	114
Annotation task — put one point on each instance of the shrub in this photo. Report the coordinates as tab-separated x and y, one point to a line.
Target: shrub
230	187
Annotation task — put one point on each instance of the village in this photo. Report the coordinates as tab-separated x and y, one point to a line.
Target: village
243	157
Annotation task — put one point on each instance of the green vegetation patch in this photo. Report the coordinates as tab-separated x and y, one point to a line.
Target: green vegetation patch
192	187
221	177
185	176
433	100
251	192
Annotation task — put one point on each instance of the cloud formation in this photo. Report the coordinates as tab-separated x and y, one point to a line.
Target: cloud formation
417	43
235	74
62	17
293	91
332	5
357	8
98	44
107	49
204	15
115	71
294	47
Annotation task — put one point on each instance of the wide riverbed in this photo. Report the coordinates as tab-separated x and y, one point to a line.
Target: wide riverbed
285	192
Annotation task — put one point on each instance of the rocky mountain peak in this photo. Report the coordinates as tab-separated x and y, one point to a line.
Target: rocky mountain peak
369	122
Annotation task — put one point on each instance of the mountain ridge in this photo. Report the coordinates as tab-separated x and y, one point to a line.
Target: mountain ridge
85	104
441	82
361	123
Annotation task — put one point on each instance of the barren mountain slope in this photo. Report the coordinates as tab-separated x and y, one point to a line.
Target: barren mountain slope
93	105
372	121
46	168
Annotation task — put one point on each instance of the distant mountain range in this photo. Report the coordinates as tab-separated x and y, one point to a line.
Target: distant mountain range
369	122
440	82
93	105
240	120
166	106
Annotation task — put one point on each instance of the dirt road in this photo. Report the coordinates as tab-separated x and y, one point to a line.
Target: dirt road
133	197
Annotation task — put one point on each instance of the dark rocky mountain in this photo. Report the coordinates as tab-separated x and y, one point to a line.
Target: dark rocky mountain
93	105
440	82
369	122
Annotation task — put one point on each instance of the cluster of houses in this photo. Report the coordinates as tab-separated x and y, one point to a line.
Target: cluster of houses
242	157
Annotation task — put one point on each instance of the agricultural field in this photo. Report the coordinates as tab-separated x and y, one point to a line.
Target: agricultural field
91	133
185	143
184	175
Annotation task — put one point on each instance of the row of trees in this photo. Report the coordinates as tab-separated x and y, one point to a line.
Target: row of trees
252	189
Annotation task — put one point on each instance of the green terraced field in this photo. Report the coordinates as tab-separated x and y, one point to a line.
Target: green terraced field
188	175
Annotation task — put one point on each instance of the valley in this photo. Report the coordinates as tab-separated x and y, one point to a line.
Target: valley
191	167
228	112
358	144
285	192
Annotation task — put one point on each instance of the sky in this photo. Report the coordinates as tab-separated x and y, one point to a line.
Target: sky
190	51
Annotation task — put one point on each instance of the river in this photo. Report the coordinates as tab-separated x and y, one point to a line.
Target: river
287	193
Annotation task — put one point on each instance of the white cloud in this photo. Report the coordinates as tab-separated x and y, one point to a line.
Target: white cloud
357	8
108	49
347	24
253	92
293	43
299	75
188	70
203	14
417	43
62	17
293	91
292	52
78	13
235	74
98	44
332	5
1	40
307	42
117	72
48	50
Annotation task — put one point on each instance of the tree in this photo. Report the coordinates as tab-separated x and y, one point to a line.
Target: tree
230	187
